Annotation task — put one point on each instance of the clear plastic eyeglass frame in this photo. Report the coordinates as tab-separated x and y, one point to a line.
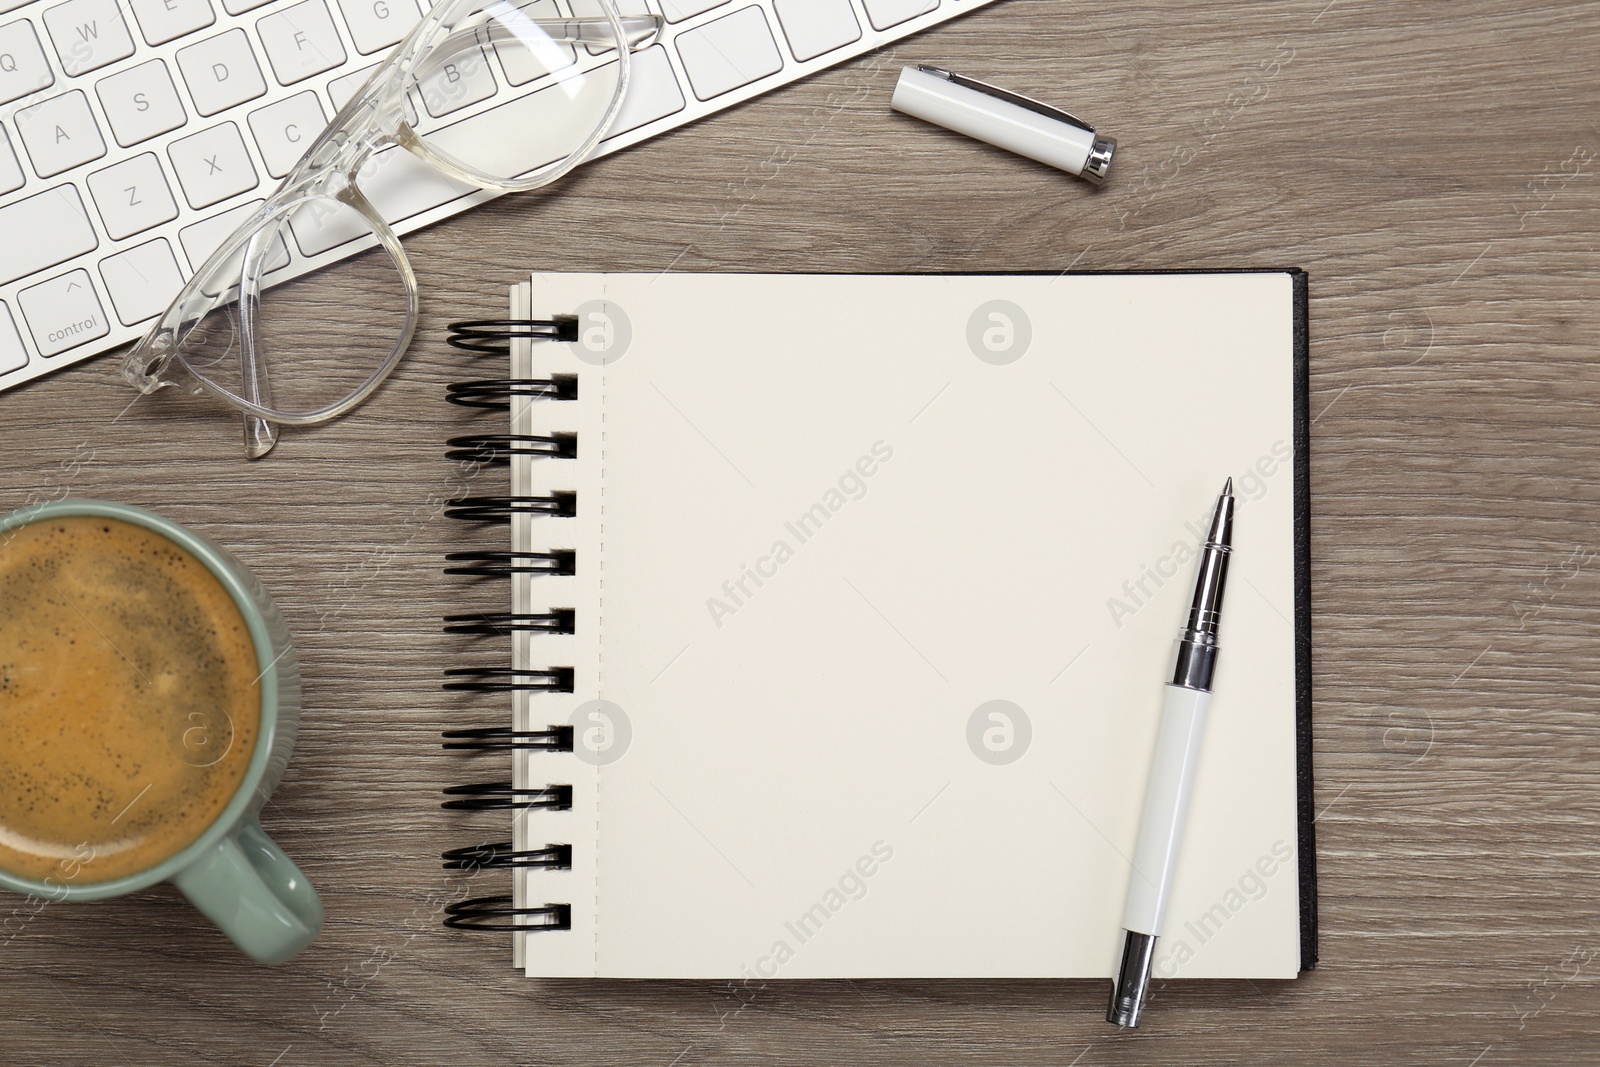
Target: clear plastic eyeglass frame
376	118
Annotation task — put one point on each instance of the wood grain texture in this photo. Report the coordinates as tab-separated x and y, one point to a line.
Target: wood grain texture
1434	167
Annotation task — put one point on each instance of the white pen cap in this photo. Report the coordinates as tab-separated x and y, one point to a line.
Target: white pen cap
1004	119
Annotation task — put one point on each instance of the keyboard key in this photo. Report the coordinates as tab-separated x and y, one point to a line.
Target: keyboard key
63	312
42	230
678	10
166	20
377	24
653	92
816	27
300	41
283	131
132	196
142	281
522	64
213	165
11	176
60	133
23	66
400	185
12	355
221	71
886	13
734	50
342	89
453	84
239	7
204	238
140	103
592	9
88	34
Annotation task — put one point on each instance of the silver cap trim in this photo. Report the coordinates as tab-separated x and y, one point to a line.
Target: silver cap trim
1098	165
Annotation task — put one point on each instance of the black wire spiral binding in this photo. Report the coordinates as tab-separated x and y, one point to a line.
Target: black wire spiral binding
494	623
500	447
495	337
480	914
503	854
497	392
503	796
510	680
501	508
504	738
505	564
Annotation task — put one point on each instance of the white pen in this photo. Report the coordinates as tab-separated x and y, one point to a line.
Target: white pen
1005	119
1172	771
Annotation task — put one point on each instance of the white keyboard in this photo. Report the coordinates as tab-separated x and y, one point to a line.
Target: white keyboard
134	133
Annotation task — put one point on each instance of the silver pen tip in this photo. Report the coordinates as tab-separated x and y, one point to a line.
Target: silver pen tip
1131	985
1227	487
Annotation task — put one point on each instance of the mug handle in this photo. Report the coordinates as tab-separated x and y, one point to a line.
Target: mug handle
255	894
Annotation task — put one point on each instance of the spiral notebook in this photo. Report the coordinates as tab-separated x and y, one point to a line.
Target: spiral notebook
841	608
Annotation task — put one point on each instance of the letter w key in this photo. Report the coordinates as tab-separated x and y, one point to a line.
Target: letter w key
88	34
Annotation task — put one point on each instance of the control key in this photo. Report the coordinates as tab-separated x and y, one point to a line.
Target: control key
63	312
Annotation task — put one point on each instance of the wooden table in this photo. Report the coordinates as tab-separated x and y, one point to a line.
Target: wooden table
1436	169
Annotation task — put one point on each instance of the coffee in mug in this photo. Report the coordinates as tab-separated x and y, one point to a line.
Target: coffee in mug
130	699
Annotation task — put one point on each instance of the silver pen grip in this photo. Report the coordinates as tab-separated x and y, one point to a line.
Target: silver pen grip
1196	660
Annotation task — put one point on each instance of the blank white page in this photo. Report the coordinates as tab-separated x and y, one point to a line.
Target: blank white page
824	523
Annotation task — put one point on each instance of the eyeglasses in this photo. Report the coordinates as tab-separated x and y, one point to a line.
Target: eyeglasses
303	350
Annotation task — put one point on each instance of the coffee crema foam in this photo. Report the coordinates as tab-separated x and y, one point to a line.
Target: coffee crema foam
130	700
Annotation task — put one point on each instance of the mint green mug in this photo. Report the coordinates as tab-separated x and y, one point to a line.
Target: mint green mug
233	872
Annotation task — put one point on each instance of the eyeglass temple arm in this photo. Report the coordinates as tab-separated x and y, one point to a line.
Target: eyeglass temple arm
641	30
259	434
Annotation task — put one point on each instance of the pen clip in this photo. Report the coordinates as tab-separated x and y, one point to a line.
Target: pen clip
1008	96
